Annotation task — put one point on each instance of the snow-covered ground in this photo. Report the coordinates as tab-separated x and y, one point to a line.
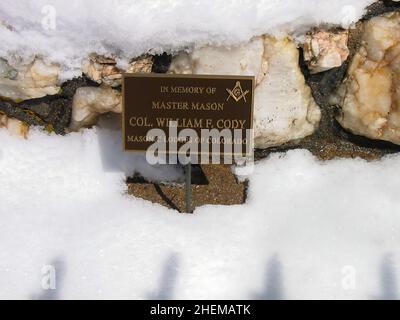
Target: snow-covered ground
67	31
310	229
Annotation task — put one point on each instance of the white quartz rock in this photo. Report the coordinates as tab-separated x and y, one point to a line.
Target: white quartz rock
14	126
27	81
284	109
370	97
89	102
246	60
325	50
181	64
7	71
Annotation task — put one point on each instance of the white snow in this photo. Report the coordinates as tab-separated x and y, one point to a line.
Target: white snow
307	226
67	31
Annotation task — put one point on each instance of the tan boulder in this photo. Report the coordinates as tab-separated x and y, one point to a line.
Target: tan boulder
89	102
142	64
370	96
102	69
14	126
28	81
325	50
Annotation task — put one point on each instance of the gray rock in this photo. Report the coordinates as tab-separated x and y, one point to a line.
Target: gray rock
7	71
52	112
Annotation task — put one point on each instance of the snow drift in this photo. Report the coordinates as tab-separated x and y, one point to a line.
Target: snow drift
67	31
309	230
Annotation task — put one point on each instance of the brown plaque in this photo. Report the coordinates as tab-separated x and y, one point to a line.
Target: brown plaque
152	101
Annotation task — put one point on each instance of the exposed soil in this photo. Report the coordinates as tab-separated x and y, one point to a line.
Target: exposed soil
212	184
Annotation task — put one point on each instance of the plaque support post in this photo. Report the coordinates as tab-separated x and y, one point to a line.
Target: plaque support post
188	188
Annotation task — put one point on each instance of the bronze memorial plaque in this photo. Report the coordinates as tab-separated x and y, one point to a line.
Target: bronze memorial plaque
204	103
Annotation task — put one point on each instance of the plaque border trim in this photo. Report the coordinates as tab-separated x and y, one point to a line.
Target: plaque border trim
196	76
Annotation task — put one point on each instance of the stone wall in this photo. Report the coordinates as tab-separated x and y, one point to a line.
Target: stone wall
333	91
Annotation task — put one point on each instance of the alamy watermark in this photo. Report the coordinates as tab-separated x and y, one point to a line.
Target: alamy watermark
349	277
229	146
49	19
49	277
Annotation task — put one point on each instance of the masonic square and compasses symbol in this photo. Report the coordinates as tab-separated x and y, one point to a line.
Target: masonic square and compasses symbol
237	93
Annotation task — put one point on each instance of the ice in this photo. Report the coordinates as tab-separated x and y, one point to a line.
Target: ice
306	229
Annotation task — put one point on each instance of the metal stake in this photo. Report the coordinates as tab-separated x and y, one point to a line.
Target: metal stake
188	187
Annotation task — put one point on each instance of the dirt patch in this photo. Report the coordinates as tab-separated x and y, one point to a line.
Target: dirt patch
215	185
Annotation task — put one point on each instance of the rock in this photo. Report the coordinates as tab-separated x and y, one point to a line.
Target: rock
246	59
69	87
324	50
161	63
34	80
13	110
7	71
54	111
370	97
381	7
102	69
142	64
17	128
51	112
44	75
14	126
284	109
181	64
90	102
